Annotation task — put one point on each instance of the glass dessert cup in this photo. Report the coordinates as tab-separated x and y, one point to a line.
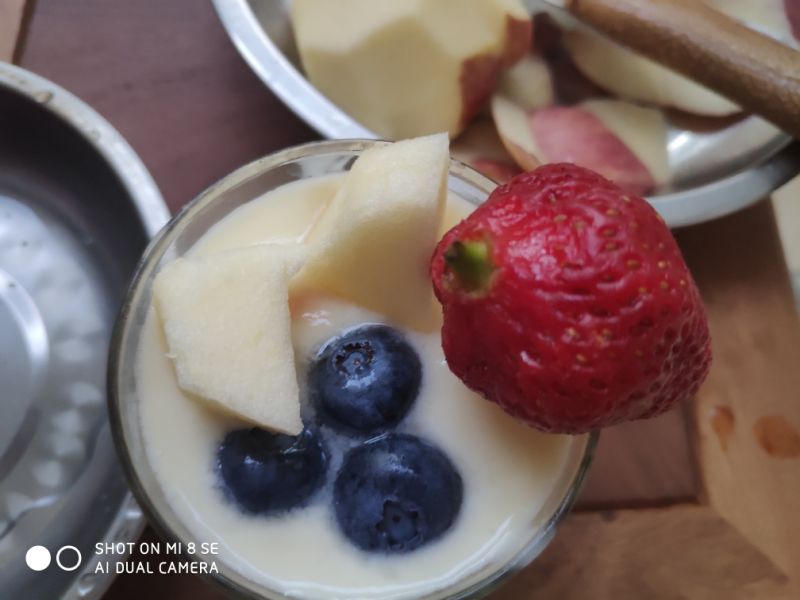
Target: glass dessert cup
250	182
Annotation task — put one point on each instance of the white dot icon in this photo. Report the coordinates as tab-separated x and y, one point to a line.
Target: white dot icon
38	558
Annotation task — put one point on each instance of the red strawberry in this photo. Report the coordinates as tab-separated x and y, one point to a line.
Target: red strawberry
567	302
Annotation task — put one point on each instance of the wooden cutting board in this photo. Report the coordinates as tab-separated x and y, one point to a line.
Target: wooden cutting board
701	503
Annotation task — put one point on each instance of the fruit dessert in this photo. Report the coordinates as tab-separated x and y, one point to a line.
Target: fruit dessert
297	408
306	406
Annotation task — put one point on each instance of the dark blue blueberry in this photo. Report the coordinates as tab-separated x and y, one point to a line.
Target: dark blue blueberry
267	473
395	493
366	380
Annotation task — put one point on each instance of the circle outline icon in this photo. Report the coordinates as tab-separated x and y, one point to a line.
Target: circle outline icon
76	565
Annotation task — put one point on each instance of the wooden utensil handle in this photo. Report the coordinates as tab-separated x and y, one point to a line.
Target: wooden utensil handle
748	67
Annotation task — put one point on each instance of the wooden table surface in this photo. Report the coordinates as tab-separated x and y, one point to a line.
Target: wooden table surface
700	503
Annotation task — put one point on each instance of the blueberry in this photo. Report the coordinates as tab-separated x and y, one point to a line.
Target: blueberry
365	381
396	493
267	473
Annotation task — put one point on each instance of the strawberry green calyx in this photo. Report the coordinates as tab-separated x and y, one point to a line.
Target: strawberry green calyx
471	265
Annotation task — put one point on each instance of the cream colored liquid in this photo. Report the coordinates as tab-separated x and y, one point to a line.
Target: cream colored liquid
508	469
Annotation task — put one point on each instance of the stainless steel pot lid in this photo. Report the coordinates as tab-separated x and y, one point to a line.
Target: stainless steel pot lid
713	174
77	208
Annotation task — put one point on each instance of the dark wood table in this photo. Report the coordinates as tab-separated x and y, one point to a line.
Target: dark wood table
700	503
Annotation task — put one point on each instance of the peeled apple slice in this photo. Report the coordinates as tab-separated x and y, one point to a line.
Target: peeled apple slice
405	68
373	244
228	330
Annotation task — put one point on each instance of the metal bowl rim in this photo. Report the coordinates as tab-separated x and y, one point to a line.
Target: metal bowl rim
129	522
98	132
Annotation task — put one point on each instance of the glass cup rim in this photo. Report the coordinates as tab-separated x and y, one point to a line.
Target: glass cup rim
144	272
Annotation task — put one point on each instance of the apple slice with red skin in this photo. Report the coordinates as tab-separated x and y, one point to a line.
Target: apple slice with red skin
643	130
620	140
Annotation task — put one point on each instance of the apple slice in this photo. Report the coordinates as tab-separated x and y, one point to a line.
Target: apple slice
570	85
777	18
412	67
480	147
634	77
513	126
227	325
528	83
622	141
642	130
373	244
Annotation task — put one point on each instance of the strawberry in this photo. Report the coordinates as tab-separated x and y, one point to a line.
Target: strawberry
568	303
